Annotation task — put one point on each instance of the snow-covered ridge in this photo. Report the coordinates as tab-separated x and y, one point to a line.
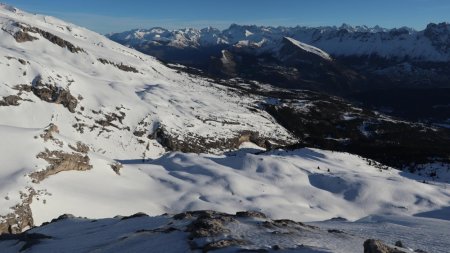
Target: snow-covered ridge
111	101
431	44
310	49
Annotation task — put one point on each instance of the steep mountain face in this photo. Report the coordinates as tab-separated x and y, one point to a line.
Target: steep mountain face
292	64
96	129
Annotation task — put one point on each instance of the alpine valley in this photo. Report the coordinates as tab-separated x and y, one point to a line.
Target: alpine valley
380	68
251	139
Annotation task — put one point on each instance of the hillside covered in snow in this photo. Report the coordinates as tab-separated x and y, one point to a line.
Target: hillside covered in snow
95	129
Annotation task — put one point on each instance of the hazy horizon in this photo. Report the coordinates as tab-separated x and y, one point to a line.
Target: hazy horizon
138	14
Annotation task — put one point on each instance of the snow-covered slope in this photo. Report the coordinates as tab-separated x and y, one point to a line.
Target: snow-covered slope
86	124
306	185
105	79
209	231
431	44
114	101
309	48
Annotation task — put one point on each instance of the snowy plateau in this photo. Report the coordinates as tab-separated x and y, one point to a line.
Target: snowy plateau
127	151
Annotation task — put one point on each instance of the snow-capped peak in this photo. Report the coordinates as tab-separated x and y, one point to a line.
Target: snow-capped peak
428	45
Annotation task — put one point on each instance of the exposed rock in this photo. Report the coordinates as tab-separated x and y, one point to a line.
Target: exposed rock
60	218
21	61
377	246
21	218
399	244
12	100
116	167
286	224
49	131
201	231
23	88
208	223
335	231
53	94
110	118
60	161
23	35
138	133
251	214
223	244
164	230
63	217
120	66
19	35
198	144
81	148
183	216
136	215
206	227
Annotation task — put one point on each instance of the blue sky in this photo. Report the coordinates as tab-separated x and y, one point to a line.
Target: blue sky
118	15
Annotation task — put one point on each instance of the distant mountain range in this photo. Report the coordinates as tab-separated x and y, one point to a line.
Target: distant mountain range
431	44
400	65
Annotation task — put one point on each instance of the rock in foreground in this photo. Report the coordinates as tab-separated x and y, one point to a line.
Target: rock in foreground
194	231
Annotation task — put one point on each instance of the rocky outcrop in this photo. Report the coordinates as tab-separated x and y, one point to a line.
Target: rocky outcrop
110	118
80	148
120	66
377	246
49	131
12	100
208	223
21	216
21	61
196	231
60	161
116	167
198	144
251	214
22	34
225	243
53	94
